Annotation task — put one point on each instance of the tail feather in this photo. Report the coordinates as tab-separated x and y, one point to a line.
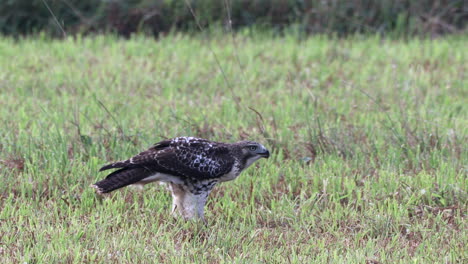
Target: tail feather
120	178
120	164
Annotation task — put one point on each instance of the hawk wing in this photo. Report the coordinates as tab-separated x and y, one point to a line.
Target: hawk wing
184	157
144	158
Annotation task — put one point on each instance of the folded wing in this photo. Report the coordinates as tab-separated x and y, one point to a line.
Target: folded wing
195	161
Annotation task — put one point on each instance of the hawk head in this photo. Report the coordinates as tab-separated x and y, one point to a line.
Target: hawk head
252	151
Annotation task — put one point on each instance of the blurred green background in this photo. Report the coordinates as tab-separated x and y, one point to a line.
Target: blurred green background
336	17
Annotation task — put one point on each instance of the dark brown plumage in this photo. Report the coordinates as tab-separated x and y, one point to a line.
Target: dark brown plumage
191	166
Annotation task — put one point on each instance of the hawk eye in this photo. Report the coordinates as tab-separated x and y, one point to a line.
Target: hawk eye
253	148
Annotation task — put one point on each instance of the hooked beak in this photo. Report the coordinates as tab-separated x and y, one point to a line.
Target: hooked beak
265	154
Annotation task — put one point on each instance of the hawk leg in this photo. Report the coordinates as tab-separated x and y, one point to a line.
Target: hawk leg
189	201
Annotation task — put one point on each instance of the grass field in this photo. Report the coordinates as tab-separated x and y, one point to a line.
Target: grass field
369	141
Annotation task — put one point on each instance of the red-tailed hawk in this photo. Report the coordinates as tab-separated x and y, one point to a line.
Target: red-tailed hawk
191	166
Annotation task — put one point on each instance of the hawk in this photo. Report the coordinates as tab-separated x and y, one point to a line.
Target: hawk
191	167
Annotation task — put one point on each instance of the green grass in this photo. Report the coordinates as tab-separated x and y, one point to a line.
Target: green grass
369	141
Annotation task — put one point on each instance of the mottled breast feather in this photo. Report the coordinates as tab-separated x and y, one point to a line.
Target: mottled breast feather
186	157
